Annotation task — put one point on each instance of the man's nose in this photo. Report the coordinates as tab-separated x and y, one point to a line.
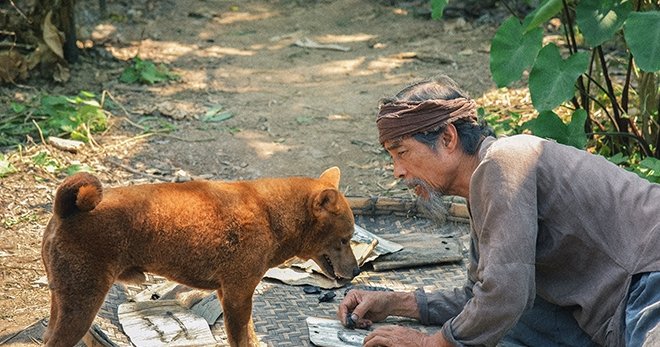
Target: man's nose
399	171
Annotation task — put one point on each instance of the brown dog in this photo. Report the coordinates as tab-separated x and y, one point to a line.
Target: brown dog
208	235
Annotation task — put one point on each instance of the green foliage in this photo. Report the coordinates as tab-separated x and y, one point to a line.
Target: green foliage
11	221
601	19
548	124
73	168
155	124
503	126
216	115
642	34
513	51
614	99
648	168
146	72
76	117
43	160
437	7
46	162
547	10
552	79
302	120
6	167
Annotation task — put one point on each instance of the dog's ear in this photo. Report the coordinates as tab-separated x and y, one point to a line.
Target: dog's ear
326	200
331	176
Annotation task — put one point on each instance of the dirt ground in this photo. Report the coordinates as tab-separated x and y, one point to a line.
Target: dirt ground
296	110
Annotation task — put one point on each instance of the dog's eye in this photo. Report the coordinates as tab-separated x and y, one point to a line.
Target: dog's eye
344	241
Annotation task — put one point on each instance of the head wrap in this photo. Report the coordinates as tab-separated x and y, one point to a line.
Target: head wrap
400	118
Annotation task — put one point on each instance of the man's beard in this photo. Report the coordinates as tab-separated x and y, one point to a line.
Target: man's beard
431	200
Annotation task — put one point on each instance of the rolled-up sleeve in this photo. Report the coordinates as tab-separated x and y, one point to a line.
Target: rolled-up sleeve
438	307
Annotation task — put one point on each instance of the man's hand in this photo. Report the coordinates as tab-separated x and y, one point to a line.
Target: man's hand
366	307
398	336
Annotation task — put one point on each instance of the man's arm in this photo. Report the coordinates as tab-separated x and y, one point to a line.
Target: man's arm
505	225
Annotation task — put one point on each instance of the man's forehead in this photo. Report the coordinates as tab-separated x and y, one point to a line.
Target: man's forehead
396	143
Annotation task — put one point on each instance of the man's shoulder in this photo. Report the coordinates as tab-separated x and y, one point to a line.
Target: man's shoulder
512	146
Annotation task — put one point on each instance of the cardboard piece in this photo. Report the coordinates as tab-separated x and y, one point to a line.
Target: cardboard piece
366	247
163	323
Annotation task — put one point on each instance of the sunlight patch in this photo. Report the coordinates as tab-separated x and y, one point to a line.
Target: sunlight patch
345	38
263	149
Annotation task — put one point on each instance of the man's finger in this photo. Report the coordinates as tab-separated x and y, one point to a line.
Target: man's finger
345	306
375	340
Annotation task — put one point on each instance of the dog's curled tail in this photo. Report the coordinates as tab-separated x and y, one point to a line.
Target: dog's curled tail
80	192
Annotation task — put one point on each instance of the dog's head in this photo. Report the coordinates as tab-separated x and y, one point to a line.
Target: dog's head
333	229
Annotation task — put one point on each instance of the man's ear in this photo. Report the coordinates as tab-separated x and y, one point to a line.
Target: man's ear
449	138
331	176
326	200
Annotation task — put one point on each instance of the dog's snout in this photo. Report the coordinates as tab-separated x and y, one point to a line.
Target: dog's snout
356	271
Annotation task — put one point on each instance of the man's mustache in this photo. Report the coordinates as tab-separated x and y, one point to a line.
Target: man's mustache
432	202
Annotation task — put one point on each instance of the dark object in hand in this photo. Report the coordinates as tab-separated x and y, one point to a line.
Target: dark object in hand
350	323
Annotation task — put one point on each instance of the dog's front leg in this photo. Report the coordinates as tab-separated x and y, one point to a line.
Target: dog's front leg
237	315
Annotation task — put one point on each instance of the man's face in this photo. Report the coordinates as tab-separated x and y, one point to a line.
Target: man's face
427	171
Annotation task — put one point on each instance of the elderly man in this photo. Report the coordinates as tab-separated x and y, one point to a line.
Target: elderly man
565	246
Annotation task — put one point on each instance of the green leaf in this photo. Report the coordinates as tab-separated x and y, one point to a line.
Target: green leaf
73	168
437	7
303	120
651	164
649	169
40	159
87	95
618	159
599	20
129	76
54	100
145	71
513	51
642	34
17	107
576	135
549	125
542	14
6	167
216	118
150	74
552	79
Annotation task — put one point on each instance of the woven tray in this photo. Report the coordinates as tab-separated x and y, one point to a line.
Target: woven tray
280	311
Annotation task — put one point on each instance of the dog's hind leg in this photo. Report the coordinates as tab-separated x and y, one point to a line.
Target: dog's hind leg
76	305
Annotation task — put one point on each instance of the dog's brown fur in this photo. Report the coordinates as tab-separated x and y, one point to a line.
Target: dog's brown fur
209	235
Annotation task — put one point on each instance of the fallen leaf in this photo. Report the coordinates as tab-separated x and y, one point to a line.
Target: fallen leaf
61	73
53	37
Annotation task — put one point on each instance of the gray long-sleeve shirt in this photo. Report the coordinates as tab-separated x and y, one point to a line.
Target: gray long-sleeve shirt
552	221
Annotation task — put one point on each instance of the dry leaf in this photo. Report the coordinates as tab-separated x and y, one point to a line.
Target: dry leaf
53	37
61	73
12	66
35	58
